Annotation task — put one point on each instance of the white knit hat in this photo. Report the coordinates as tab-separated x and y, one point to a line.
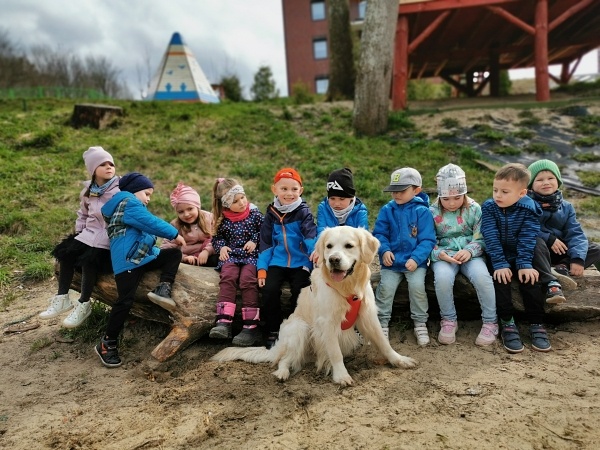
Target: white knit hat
94	157
451	181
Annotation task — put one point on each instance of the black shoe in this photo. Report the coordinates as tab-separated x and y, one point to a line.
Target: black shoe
248	337
108	353
554	296
562	269
161	295
271	339
539	338
511	338
220	331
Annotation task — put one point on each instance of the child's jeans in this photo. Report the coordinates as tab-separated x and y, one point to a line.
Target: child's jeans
386	290
477	273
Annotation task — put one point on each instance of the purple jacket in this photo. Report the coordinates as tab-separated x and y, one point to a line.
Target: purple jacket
90	224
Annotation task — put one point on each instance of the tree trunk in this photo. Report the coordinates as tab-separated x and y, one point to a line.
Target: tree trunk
341	61
371	100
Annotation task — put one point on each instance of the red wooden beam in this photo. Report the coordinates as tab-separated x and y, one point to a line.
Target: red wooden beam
542	81
427	31
412	8
400	78
512	19
568	13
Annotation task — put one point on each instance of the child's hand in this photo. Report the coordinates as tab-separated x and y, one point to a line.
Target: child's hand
179	240
463	256
447	258
249	246
559	247
261	282
314	258
528	275
576	270
189	260
202	258
224	253
503	276
411	265
388	258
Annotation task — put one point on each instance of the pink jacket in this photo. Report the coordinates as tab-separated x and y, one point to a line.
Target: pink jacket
90	224
195	239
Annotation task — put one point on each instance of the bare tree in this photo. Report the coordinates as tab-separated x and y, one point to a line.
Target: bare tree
341	62
374	76
15	69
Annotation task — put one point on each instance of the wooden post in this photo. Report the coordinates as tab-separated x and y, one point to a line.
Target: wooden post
400	79
542	80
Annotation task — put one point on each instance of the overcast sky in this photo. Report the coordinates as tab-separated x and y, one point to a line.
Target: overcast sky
226	36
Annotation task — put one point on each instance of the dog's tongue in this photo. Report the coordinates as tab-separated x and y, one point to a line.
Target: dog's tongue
338	275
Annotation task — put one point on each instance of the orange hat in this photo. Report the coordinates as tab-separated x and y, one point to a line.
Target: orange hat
287	172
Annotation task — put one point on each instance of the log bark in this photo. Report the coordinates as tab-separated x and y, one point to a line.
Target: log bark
95	116
196	288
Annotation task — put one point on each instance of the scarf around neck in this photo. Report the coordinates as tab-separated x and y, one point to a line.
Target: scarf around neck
237	217
284	209
548	202
342	214
97	191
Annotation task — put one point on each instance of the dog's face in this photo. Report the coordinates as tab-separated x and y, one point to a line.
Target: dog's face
341	248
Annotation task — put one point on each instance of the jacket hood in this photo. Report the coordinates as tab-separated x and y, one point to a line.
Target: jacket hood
109	208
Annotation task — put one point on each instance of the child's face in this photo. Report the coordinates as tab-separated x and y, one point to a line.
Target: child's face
507	192
187	213
144	196
406	195
287	191
104	172
240	201
452	203
545	183
339	203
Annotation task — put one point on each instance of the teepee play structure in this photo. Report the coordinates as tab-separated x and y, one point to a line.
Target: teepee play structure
179	77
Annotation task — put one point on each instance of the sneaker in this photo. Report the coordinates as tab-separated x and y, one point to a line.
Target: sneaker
161	295
487	335
511	338
554	296
386	332
421	333
58	305
108	353
271	339
81	312
562	275
539	338
221	331
447	333
248	337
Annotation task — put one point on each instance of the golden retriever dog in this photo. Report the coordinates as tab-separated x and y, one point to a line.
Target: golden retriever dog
322	326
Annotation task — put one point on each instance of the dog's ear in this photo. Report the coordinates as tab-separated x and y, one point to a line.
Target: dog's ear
320	245
368	245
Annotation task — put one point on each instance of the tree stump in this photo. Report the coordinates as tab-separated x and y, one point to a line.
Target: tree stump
95	116
196	289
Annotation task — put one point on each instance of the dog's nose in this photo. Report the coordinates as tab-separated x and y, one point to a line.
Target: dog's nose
335	260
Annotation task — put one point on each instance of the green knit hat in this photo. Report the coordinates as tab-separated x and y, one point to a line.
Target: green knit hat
544	164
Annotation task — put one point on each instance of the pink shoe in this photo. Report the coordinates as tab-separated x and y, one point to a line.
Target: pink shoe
487	335
448	332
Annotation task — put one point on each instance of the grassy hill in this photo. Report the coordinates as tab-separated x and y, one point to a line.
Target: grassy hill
41	165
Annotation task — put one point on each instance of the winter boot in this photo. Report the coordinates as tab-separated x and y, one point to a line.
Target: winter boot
58	305
108	352
225	312
161	295
81	312
250	333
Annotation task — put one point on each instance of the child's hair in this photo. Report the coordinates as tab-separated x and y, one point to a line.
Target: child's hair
200	222
220	188
465	204
514	172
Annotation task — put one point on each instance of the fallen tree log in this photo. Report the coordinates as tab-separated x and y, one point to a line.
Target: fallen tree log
196	288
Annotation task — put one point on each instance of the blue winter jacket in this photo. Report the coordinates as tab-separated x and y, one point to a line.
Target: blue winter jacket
357	218
407	231
510	233
287	240
131	230
563	224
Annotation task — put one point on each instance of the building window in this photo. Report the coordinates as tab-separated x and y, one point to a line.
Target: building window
317	10
321	85
320	48
362	9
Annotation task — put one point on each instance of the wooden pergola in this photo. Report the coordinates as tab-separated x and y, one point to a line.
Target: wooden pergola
456	39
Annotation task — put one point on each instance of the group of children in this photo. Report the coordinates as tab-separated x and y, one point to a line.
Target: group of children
526	229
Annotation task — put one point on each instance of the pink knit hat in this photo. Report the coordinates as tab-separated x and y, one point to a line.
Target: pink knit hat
95	157
185	194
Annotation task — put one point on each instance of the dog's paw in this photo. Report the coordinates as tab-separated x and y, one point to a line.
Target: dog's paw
343	379
404	361
282	374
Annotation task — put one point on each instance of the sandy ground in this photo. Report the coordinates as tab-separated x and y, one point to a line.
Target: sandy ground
460	397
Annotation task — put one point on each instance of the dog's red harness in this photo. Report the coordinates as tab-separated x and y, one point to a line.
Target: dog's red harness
352	313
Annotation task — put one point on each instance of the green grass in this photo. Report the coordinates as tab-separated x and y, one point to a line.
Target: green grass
589	179
586	157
